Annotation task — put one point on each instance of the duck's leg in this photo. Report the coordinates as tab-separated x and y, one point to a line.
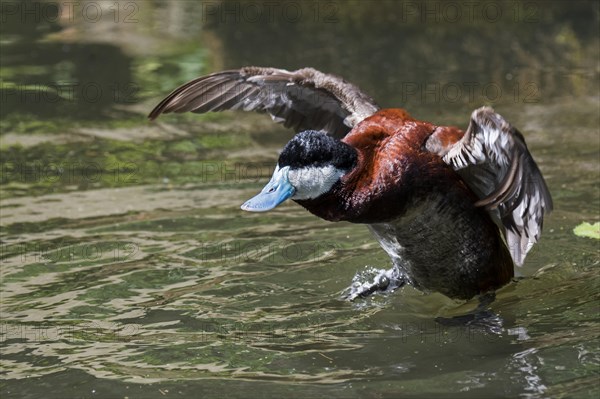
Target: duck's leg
374	280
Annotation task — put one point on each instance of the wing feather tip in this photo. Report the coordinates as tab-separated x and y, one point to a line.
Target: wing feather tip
514	190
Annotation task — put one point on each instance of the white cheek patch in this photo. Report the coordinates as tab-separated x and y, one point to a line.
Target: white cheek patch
312	182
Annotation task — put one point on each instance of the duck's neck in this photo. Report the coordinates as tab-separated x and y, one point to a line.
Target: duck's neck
358	204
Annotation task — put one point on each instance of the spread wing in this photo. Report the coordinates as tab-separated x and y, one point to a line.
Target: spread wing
305	99
493	159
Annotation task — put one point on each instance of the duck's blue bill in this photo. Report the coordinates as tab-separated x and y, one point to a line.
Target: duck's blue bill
275	192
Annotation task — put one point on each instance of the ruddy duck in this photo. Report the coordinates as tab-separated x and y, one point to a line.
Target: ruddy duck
453	210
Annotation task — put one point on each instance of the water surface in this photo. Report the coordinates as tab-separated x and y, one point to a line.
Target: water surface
128	269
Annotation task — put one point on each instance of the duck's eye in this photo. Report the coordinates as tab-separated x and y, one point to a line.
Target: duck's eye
272	189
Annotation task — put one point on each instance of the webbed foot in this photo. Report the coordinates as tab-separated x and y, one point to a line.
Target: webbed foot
374	280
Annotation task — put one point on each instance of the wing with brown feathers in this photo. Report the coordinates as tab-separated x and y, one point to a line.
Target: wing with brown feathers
493	159
305	99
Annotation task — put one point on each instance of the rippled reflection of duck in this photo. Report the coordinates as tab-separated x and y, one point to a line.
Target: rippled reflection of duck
453	210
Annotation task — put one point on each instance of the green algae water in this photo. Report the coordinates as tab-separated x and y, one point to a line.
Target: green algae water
129	271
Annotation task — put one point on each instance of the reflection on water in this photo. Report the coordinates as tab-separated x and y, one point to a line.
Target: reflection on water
128	270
